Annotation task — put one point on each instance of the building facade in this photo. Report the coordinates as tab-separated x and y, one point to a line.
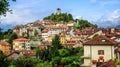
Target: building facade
21	44
99	49
5	47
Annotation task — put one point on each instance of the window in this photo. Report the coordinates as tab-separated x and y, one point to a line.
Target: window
100	52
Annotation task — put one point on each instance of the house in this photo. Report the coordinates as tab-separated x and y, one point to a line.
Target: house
70	43
52	31
5	47
48	23
99	49
45	34
21	44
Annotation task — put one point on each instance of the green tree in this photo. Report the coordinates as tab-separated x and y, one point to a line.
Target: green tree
56	42
4	6
1	34
43	64
96	35
3	61
38	52
35	32
64	52
24	61
11	38
65	17
56	60
81	24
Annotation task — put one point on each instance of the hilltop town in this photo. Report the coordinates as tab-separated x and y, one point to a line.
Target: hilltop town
96	47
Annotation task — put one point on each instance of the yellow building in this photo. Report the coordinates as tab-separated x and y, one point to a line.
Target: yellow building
50	38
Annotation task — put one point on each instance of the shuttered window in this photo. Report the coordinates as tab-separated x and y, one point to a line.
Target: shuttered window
100	52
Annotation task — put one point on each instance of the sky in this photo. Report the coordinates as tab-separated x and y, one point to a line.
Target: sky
104	13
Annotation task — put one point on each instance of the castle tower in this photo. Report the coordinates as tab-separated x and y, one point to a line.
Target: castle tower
58	11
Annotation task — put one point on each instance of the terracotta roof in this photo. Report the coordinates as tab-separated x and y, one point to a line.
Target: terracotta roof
113	34
21	39
56	27
70	42
118	50
3	43
17	52
45	30
101	40
48	22
28	29
37	23
78	32
18	27
117	30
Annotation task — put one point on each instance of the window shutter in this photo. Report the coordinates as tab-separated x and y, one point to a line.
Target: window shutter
98	52
103	52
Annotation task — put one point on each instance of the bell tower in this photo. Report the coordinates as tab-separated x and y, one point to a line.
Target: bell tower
58	11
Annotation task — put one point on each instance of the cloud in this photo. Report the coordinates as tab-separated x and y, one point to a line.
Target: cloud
77	17
24	12
105	2
109	20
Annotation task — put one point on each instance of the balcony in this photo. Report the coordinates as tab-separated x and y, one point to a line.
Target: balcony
85	65
86	57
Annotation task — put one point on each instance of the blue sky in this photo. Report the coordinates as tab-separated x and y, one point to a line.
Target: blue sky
102	12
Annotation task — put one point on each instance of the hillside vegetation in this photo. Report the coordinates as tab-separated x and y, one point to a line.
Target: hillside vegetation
65	17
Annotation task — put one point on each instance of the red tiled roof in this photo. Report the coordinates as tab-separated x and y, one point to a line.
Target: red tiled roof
117	30
37	23
48	22
101	40
17	27
28	29
118	50
78	32
21	39
70	42
3	43
45	30
56	27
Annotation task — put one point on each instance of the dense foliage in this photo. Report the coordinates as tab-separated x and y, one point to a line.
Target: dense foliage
8	35
81	24
61	17
4	6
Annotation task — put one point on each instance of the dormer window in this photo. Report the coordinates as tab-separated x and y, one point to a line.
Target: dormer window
103	40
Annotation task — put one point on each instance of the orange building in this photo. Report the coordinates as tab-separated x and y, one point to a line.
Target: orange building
5	47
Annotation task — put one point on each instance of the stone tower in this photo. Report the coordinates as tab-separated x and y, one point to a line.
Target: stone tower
58	11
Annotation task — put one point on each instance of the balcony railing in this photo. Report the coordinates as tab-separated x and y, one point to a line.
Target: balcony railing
86	57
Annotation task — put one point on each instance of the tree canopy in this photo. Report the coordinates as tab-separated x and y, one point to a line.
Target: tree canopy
81	24
65	17
4	7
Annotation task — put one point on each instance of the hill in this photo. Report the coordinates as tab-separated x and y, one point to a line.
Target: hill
58	16
67	17
81	24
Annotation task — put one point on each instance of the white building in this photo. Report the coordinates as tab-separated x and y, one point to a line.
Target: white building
21	44
99	49
52	31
